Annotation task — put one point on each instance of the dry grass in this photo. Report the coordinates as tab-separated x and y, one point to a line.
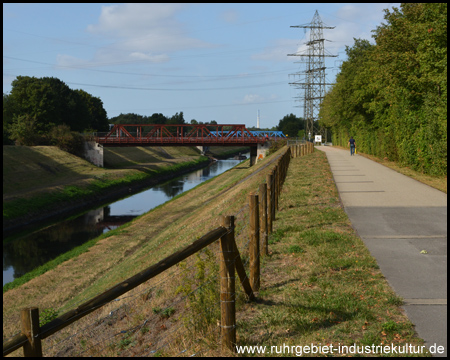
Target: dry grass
29	170
138	245
319	284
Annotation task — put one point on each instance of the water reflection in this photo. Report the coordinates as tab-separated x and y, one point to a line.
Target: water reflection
29	251
172	188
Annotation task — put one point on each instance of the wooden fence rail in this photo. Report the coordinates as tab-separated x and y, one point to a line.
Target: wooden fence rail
230	262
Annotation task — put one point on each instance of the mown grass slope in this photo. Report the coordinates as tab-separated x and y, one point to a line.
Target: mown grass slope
319	283
43	179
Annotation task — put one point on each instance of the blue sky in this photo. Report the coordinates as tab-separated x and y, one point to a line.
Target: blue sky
220	62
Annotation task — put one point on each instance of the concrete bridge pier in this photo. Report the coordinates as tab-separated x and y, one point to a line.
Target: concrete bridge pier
258	152
262	150
93	152
203	149
253	155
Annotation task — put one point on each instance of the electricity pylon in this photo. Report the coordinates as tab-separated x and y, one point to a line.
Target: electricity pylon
312	80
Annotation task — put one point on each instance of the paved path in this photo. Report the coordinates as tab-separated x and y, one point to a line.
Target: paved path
397	218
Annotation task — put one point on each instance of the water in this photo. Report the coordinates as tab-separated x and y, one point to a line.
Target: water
29	251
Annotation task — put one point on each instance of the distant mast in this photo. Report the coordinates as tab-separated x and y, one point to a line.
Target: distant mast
257	121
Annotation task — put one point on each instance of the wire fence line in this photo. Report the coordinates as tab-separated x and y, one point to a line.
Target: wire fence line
115	327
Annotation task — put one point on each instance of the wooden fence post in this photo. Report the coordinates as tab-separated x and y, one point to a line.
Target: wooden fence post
263	219
276	189
254	241
30	327
269	181
239	267
227	289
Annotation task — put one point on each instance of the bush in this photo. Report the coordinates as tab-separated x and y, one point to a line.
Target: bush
276	145
67	140
23	131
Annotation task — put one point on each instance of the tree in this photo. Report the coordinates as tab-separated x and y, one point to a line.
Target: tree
392	96
23	130
290	125
67	140
98	120
176	119
129	118
7	120
157	118
51	102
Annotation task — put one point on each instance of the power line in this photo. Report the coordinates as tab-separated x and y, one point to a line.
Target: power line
312	79
226	77
177	89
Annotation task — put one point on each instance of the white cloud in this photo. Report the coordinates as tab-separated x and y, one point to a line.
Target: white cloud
257	99
145	27
355	21
280	50
350	21
70	61
252	98
127	20
230	16
148	57
370	12
138	32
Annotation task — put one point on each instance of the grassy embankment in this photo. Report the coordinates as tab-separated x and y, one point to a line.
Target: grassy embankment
121	253
38	178
43	179
318	285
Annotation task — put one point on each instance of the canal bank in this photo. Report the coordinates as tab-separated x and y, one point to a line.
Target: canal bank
62	185
125	251
61	209
319	280
23	253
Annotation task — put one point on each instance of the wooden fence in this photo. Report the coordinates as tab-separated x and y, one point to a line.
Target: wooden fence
262	215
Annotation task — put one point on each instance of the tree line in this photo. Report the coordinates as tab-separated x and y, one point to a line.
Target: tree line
392	96
45	111
290	125
156	118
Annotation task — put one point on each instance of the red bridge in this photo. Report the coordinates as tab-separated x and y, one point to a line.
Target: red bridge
179	135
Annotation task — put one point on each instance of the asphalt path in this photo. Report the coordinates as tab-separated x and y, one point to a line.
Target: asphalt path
404	225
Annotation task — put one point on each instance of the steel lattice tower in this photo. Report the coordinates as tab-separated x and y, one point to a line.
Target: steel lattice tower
312	80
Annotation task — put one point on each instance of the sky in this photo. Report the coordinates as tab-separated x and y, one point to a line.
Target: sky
225	62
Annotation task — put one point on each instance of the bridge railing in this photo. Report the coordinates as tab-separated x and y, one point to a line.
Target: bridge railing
163	134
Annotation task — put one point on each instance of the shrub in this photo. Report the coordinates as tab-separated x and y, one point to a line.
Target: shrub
67	140
24	131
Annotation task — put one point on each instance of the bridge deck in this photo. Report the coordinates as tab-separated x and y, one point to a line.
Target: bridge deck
179	135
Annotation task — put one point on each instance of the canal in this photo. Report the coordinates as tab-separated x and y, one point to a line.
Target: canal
23	253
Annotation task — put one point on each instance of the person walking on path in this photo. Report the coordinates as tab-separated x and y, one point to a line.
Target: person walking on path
352	144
